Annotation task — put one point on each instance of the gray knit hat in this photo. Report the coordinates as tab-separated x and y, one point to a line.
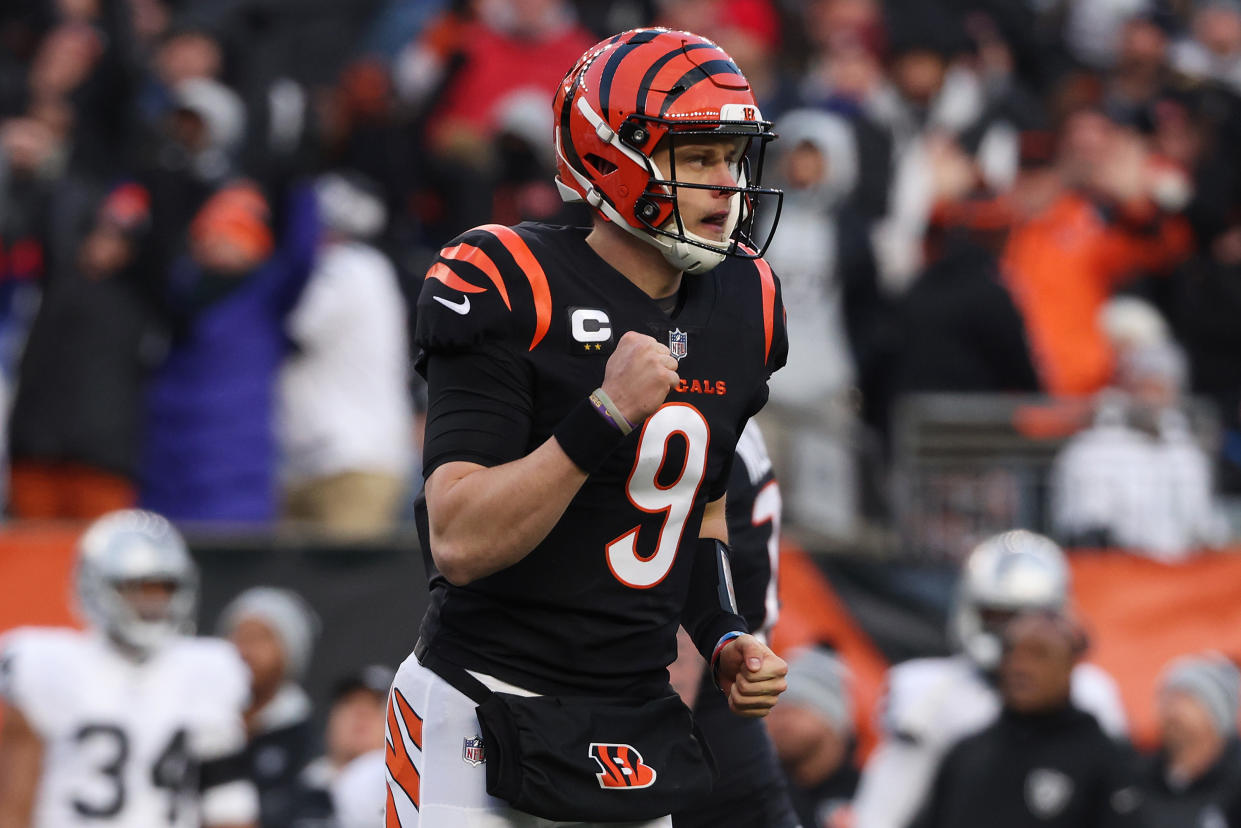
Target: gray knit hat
288	615
1211	678
819	680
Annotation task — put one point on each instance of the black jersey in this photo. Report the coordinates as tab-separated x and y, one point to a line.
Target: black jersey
595	606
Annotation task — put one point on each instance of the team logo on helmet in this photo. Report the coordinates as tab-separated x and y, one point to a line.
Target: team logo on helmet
621	767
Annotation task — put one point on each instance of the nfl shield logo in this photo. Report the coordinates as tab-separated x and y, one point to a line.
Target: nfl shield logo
472	751
678	343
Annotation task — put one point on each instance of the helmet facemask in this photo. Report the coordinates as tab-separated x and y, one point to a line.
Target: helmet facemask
139	622
685	249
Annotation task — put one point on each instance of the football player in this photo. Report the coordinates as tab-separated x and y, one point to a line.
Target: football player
932	703
587	387
131	722
751	789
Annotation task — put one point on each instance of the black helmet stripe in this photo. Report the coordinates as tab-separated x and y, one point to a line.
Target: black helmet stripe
645	86
614	62
703	71
566	130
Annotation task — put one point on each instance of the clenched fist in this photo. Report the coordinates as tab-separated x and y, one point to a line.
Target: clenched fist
639	375
751	675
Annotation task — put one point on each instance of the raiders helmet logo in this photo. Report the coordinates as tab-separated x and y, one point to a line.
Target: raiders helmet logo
1047	792
621	767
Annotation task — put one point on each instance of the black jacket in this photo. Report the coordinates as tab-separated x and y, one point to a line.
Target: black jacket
1213	800
1053	770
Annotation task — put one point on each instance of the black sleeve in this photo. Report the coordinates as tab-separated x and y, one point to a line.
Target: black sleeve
750	557
479	407
710	610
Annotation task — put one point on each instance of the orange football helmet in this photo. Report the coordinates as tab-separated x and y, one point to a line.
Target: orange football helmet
623	98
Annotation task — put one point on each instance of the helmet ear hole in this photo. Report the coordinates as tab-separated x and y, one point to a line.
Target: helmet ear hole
599	165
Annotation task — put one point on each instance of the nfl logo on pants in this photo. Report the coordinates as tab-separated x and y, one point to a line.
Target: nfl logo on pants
678	343
472	751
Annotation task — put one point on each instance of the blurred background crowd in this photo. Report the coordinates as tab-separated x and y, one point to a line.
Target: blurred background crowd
1010	252
214	216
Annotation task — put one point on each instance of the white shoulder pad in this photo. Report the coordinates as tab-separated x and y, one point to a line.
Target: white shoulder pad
217	681
917	691
1096	692
37	664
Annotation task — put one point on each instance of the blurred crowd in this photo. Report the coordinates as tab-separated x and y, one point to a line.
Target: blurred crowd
214	215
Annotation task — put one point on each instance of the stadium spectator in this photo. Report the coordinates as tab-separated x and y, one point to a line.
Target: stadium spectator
73	434
1141	76
344	412
959	329
931	703
337	788
274	631
1137	478
459	76
812	729
1206	305
355	744
210	449
1212	48
134	686
1195	779
1044	761
837	319
1108	225
823	256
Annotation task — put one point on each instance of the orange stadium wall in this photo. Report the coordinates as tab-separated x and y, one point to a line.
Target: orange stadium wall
1140	614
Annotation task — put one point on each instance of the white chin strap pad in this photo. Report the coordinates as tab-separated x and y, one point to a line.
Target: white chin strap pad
690	257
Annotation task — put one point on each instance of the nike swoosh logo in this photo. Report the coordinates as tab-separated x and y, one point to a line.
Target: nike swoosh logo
462	307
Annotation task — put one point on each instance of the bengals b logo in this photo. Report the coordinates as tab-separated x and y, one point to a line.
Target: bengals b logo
622	766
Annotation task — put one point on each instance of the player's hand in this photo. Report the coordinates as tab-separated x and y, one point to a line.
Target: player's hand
639	375
751	675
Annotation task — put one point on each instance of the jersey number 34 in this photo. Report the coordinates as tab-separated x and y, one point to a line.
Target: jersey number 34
674	500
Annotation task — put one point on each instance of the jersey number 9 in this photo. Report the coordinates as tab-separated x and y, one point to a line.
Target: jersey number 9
675	500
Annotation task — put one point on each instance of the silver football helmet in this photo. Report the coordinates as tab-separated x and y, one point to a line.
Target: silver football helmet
127	549
1005	574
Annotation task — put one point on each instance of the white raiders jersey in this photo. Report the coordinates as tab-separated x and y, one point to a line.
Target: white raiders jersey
930	705
122	740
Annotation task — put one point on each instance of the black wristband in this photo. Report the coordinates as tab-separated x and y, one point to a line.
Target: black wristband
586	437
